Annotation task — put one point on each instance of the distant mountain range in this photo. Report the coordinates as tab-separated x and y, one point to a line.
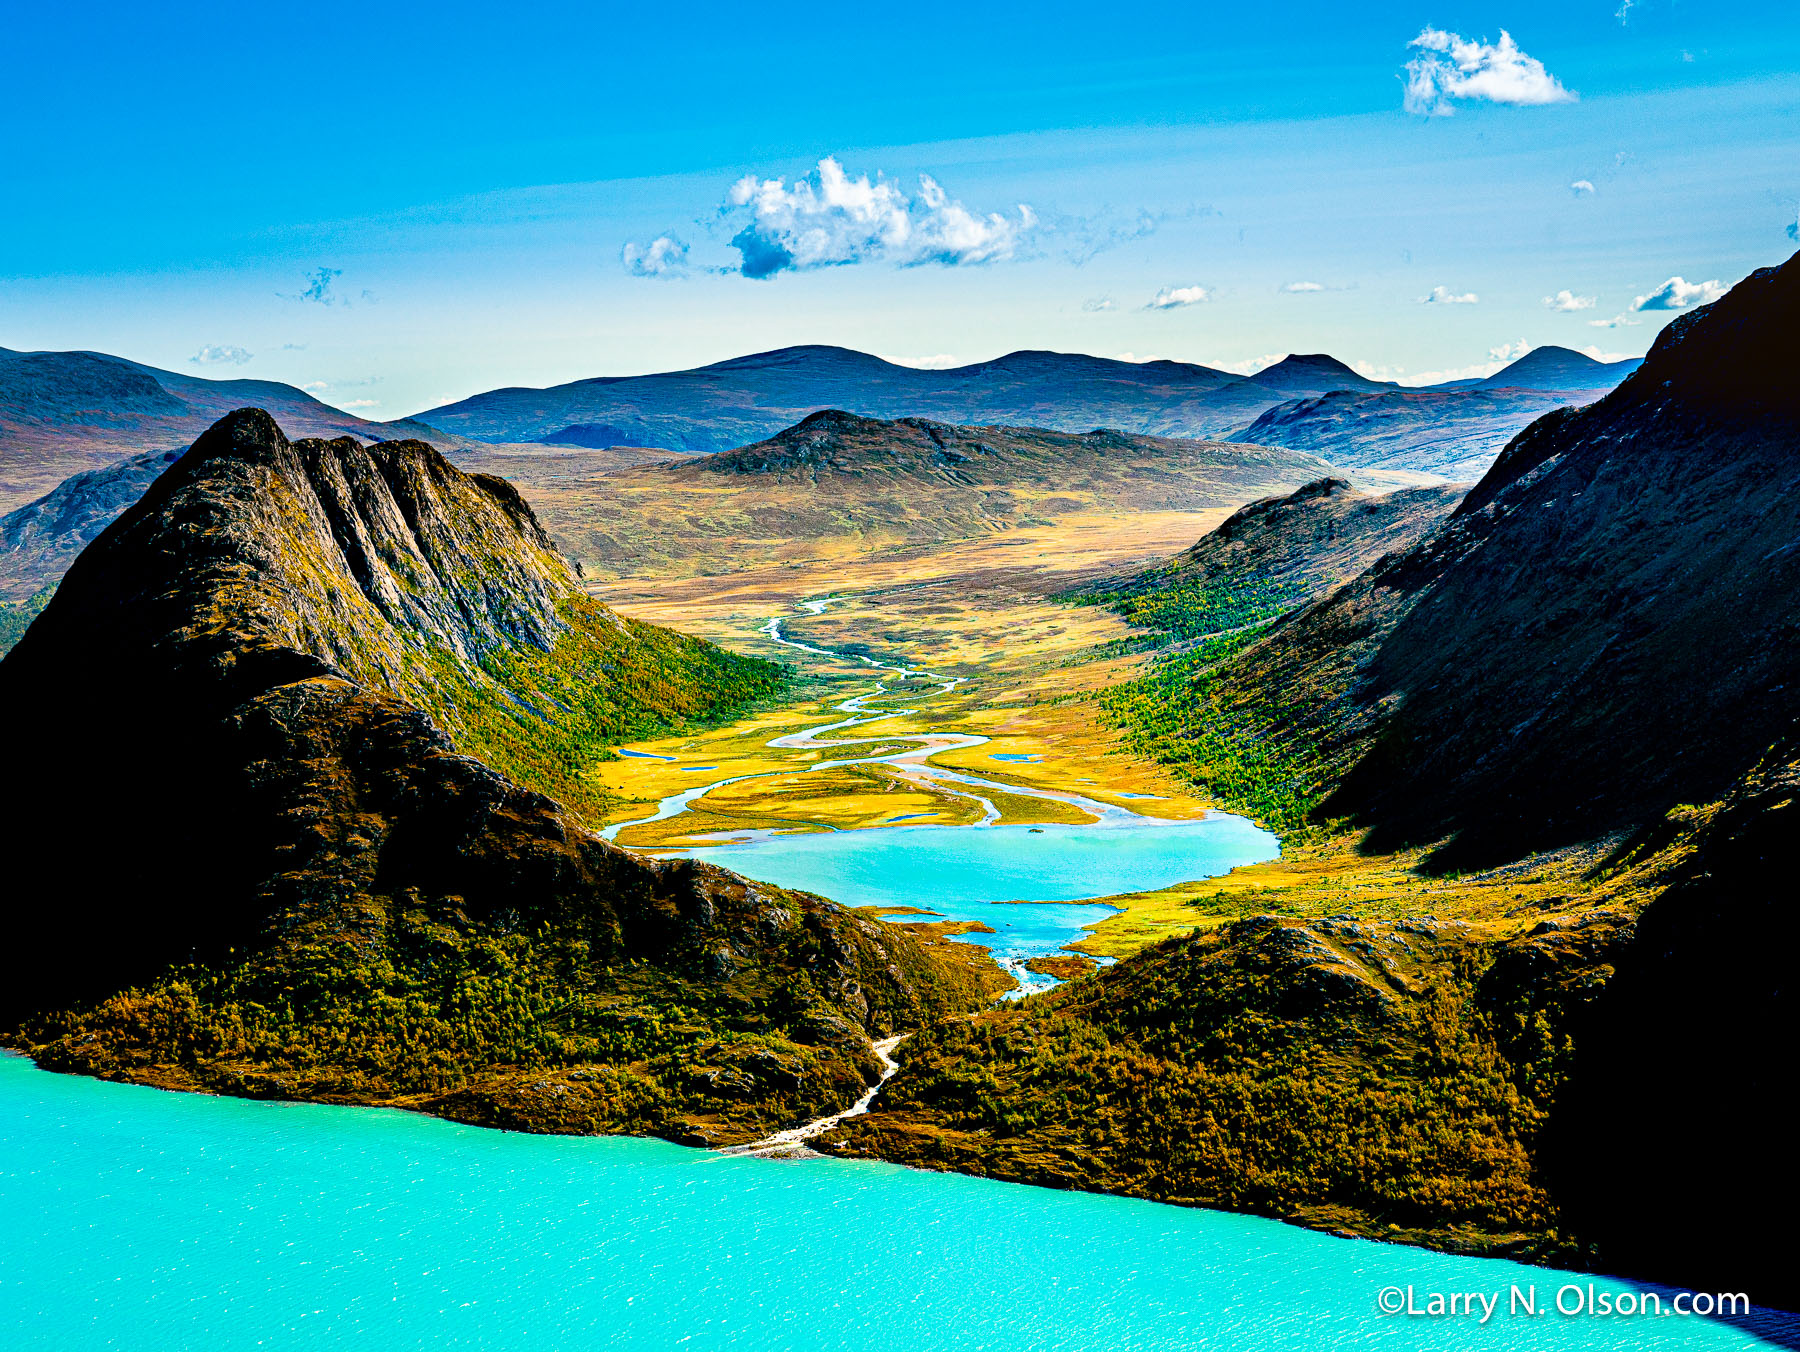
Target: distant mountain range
747	399
65	412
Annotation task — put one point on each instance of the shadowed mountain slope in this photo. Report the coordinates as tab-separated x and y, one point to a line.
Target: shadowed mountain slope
733	402
840	481
1605	626
272	669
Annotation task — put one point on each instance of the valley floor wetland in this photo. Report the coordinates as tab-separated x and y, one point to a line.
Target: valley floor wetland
141	1219
1002	879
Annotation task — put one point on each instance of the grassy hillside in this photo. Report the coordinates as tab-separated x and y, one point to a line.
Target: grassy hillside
841	483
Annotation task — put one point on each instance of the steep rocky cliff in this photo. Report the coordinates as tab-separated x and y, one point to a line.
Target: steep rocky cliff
270	864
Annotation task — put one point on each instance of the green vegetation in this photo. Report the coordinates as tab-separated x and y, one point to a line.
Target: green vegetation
1194	608
546	719
1388	1080
1174	713
528	1029
16	617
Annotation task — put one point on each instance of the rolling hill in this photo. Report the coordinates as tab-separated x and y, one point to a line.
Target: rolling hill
839	481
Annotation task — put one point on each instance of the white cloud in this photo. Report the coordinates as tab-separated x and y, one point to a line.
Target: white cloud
1443	295
1450	67
359	403
1249	366
1593	350
1479	371
1615	322
315	387
1300	288
828	219
1174	297
1567	302
943	361
1133	357
664	256
221	354
1099	304
1677	294
1510	352
1581	187
1370	371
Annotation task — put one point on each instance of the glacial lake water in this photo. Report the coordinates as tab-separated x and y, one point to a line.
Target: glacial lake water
143	1220
980	872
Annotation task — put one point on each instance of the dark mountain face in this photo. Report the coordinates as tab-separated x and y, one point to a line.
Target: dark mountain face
1607	625
253	700
63	413
751	398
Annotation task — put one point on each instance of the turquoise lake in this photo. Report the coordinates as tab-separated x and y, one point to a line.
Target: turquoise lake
145	1220
972	873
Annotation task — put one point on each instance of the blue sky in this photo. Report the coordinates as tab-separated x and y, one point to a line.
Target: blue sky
398	207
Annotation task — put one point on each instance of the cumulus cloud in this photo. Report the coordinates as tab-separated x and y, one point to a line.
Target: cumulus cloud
829	219
221	354
1300	288
1443	295
1581	187
1677	294
664	256
315	387
360	403
1099	303
1593	350
1509	352
1174	297
1567	302
1451	67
